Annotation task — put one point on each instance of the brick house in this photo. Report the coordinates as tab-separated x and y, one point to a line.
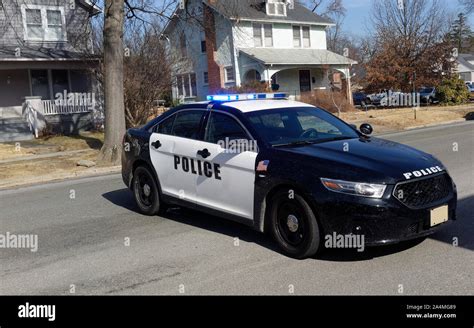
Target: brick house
224	43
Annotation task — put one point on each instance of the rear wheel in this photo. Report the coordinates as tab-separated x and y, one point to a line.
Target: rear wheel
146	192
294	225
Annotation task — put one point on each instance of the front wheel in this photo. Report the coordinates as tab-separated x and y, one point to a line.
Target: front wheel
294	225
146	192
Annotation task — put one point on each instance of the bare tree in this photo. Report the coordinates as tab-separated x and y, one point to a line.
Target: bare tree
468	6
148	73
410	44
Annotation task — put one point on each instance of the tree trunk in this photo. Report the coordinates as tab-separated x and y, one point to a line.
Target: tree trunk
113	83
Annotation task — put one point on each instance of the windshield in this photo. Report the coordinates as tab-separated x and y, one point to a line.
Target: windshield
289	126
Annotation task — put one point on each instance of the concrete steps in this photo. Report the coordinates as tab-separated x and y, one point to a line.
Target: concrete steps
14	129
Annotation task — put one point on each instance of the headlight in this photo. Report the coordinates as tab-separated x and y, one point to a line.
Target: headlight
355	188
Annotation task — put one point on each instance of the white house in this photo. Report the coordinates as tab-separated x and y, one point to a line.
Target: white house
465	67
224	43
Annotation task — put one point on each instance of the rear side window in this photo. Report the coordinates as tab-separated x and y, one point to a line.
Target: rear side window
222	127
187	124
166	127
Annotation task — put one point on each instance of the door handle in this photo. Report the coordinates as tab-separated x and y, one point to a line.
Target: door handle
156	144
204	153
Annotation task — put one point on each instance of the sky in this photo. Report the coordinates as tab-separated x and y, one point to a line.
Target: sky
357	21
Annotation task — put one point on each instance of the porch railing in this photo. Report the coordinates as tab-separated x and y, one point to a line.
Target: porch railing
50	107
31	116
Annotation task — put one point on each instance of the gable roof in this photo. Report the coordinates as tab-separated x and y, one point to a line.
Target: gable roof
255	10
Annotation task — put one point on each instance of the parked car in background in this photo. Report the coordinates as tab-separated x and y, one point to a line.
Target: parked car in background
360	99
428	95
376	98
470	87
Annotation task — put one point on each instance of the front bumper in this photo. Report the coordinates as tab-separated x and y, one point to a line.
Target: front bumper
381	221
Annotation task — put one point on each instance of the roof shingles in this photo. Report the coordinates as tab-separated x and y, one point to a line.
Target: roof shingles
255	10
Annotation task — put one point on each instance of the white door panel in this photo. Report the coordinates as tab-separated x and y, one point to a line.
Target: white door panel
233	193
167	161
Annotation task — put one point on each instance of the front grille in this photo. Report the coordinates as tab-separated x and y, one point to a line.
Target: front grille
422	193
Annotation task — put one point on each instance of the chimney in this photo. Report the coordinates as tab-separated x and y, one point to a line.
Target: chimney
215	71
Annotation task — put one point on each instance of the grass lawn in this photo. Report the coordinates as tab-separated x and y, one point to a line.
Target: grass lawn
397	119
52	144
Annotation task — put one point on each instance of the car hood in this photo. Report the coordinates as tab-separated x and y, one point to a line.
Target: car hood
365	160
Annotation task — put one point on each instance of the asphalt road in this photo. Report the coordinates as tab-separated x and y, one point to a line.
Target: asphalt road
82	244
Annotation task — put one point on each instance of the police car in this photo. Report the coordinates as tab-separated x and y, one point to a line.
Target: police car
287	168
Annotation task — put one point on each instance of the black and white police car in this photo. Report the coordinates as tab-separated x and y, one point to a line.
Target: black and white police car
288	168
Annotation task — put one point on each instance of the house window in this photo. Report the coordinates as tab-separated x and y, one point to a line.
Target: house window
44	23
257	35
206	78
296	37
203	46
306	37
229	74
40	83
276	7
186	85
268	30
48	83
55	26
263	35
182	45
301	36
60	81
34	25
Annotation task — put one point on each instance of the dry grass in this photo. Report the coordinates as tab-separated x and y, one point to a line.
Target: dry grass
399	119
32	169
51	144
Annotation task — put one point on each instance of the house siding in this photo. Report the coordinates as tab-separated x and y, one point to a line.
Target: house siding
77	24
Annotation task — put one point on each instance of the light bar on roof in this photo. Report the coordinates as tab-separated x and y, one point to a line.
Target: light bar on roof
247	96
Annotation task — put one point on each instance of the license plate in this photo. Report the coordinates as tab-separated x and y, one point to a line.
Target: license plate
439	215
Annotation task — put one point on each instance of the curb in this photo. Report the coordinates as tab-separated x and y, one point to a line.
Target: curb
434	124
92	172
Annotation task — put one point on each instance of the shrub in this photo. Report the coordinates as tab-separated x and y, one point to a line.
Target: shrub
333	102
452	91
249	87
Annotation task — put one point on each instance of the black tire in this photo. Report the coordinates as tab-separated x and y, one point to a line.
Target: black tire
146	192
284	212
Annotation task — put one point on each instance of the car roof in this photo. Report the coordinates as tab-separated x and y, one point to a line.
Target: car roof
247	106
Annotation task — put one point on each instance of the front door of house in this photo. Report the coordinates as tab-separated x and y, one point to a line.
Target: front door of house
305	80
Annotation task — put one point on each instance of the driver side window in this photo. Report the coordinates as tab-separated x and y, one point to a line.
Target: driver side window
222	127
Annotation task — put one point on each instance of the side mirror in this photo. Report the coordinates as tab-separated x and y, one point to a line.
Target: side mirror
366	129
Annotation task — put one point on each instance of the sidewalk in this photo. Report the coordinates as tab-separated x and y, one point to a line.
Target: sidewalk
41	156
